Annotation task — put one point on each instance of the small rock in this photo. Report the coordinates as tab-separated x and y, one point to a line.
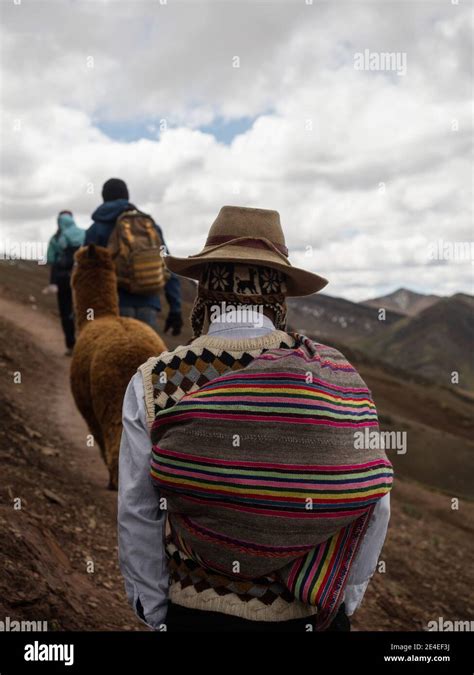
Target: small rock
49	452
53	497
32	433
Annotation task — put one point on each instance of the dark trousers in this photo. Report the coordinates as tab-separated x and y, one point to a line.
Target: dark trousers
148	315
63	283
184	620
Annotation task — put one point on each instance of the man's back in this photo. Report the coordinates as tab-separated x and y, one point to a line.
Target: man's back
104	219
141	307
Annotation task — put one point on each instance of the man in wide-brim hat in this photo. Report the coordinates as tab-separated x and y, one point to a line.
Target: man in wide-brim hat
253	236
244	277
245	241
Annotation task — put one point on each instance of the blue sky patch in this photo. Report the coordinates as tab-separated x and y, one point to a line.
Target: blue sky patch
128	131
226	130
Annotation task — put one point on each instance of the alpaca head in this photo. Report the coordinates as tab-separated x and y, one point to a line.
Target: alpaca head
94	284
93	257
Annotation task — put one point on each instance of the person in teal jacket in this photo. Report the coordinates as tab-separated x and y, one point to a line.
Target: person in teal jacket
60	256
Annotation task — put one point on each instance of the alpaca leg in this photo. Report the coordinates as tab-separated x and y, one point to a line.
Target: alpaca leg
96	431
82	397
112	438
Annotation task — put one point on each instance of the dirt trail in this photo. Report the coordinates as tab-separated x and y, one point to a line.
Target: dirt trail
46	332
68	517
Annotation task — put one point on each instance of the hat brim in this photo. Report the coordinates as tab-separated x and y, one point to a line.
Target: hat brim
299	282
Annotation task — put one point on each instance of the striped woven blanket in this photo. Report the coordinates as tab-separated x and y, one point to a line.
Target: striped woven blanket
261	475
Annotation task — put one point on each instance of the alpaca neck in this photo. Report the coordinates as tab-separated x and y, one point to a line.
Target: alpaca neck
95	296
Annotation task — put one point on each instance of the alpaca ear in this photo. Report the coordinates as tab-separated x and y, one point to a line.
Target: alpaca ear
91	252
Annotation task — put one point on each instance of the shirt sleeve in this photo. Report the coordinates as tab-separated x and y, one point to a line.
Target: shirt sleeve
173	285
366	560
173	294
141	522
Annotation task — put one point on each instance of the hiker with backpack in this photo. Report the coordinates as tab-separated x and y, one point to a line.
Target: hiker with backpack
137	246
245	503
60	256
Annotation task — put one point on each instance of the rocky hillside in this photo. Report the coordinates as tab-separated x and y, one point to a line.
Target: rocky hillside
435	342
331	318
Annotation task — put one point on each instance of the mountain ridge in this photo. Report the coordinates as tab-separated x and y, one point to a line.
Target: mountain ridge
403	300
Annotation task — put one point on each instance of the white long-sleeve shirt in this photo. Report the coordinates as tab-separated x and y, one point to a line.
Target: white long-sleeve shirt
141	522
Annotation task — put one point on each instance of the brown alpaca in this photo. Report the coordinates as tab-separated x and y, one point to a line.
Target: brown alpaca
107	353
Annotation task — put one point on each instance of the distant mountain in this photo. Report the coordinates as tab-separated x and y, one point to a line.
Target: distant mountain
434	343
464	296
403	301
329	318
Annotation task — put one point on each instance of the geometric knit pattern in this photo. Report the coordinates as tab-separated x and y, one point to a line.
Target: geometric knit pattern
193	367
188	572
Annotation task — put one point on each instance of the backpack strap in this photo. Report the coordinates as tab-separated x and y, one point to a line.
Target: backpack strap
152	233
127	232
128	235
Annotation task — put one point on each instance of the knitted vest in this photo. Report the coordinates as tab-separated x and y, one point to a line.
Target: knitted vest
166	380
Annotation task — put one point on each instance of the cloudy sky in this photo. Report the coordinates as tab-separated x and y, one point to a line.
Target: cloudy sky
205	103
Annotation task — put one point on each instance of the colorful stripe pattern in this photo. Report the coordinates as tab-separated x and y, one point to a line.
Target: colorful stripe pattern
269	489
219	501
319	577
275	397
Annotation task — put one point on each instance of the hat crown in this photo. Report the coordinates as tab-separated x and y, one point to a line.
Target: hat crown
240	221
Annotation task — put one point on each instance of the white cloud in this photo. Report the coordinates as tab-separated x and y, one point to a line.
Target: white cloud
175	62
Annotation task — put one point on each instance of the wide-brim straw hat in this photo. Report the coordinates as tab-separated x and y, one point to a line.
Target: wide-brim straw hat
254	236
